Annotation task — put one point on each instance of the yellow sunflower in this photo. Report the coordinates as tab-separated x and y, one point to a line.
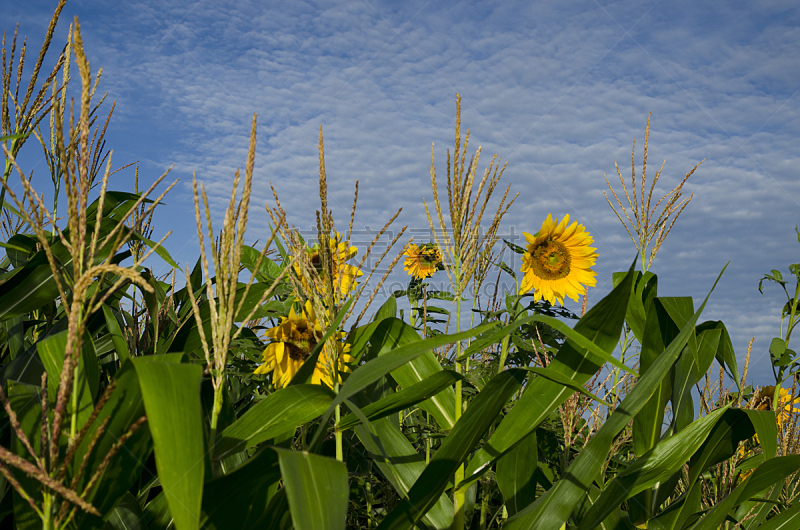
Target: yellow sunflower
345	274
422	260
292	342
763	401
786	402
558	261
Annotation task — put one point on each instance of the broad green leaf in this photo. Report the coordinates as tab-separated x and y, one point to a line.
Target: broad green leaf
688	373
123	407
405	398
156	513
403	356
771	473
653	467
126	515
786	520
552	509
20	248
316	487
777	347
14	336
466	433
26	403
577	338
387	310
278	413
359	340
120	344
159	250
764	423
390	337
561	379
645	287
171	394
32	286
51	352
725	354
267	272
402	465
516	474
239	499
665	317
602	325
733	427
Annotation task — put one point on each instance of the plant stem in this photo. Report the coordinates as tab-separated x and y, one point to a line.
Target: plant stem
459	495
47	511
484	504
215	412
337	433
503	354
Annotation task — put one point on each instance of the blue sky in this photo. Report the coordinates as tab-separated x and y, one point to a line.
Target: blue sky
558	89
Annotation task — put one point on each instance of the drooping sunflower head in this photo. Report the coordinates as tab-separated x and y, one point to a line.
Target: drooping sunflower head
422	260
344	274
558	261
293	340
764	400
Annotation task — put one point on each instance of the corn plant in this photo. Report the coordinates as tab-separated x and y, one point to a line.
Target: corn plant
249	391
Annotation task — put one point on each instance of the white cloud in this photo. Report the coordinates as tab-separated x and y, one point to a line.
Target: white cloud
560	90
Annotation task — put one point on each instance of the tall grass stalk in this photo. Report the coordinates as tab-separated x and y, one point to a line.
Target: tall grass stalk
461	243
221	289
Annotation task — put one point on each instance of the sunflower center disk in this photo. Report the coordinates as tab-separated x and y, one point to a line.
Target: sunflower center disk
428	257
302	345
551	260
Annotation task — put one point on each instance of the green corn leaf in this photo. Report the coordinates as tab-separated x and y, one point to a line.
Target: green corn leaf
126	515
316	488
770	473
579	339
516	474
51	352
400	350
461	441
602	325
277	414
26	402
123	408
786	520
404	399
653	467
120	344
171	394
552	509
390	337
239	499
370	372
402	465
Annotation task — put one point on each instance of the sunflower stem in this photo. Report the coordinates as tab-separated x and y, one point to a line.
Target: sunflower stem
337	414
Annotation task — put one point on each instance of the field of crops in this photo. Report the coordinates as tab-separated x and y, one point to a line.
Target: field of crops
269	386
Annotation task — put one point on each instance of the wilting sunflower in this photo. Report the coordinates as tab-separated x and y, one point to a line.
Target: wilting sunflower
292	342
345	275
764	401
558	261
422	260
